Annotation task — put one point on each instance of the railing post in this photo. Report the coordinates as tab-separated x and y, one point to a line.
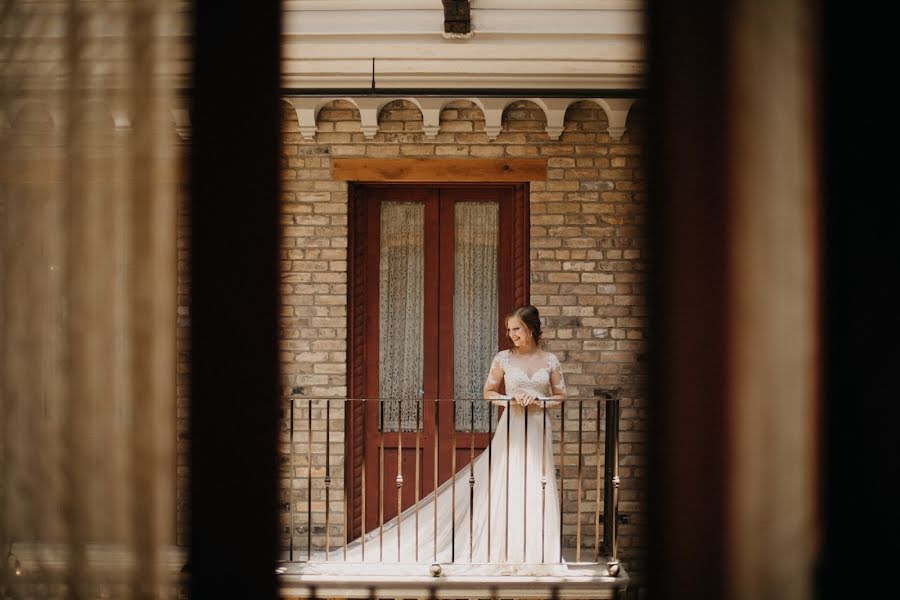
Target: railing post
362	484
578	492
346	493
399	478
419	409
490	463
291	480
437	444
381	427
471	478
599	480
327	478
309	490
611	484
562	476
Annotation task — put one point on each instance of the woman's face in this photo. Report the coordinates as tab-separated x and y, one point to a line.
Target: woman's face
517	332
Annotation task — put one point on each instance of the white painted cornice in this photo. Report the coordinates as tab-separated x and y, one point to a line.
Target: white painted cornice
522	44
508	21
331	44
379	5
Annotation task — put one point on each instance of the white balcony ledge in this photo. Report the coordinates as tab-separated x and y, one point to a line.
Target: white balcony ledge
336	579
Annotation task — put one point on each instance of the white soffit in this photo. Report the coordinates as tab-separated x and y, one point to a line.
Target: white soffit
536	44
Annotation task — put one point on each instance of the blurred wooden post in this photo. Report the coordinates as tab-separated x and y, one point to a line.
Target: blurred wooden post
735	293
236	118
860	446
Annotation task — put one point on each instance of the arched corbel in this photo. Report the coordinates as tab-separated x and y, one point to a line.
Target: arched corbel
307	110
493	113
53	112
57	117
121	119
616	110
182	118
369	108
555	111
431	114
8	117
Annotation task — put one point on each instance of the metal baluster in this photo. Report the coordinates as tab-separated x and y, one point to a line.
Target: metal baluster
418	466
363	485
344	499
327	478
611	493
562	475
437	435
453	484
309	490
291	481
508	432
471	477
525	487
490	446
578	497
543	476
381	481
345	492
399	470
597	495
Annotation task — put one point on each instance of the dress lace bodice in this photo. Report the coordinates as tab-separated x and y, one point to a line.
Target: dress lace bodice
540	375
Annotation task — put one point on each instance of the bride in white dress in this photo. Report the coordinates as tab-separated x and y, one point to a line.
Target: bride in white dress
514	515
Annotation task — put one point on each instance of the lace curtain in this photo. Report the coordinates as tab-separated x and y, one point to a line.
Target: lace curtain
474	309
87	299
401	314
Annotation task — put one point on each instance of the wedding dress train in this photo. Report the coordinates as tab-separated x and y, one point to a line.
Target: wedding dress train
514	513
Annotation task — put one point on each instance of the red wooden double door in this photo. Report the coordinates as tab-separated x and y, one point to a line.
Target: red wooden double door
432	271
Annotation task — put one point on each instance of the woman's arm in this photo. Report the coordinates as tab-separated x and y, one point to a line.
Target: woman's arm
557	384
492	384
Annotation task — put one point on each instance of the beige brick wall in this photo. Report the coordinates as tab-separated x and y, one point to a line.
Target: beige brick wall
588	280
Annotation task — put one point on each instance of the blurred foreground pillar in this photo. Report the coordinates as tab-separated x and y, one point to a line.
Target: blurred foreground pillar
235	117
736	292
87	288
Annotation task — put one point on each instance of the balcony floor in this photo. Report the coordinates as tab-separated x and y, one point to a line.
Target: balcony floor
337	579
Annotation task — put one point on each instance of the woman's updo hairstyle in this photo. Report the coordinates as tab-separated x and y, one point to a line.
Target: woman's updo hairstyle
532	319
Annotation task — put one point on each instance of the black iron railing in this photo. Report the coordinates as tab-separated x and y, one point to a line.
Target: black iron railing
313	525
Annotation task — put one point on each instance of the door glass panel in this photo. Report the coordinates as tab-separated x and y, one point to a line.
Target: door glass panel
474	309
401	314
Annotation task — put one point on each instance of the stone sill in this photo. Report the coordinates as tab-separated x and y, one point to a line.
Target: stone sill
460	580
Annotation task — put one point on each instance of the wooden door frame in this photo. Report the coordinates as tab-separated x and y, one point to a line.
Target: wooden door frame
360	358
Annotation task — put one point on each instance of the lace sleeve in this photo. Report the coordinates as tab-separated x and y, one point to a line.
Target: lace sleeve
495	375
557	381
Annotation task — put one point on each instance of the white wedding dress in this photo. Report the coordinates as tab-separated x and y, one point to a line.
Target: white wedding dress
519	498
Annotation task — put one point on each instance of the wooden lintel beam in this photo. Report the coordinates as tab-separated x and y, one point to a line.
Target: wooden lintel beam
440	169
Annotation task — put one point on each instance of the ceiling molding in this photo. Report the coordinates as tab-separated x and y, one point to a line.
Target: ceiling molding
444	81
369	5
561	44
